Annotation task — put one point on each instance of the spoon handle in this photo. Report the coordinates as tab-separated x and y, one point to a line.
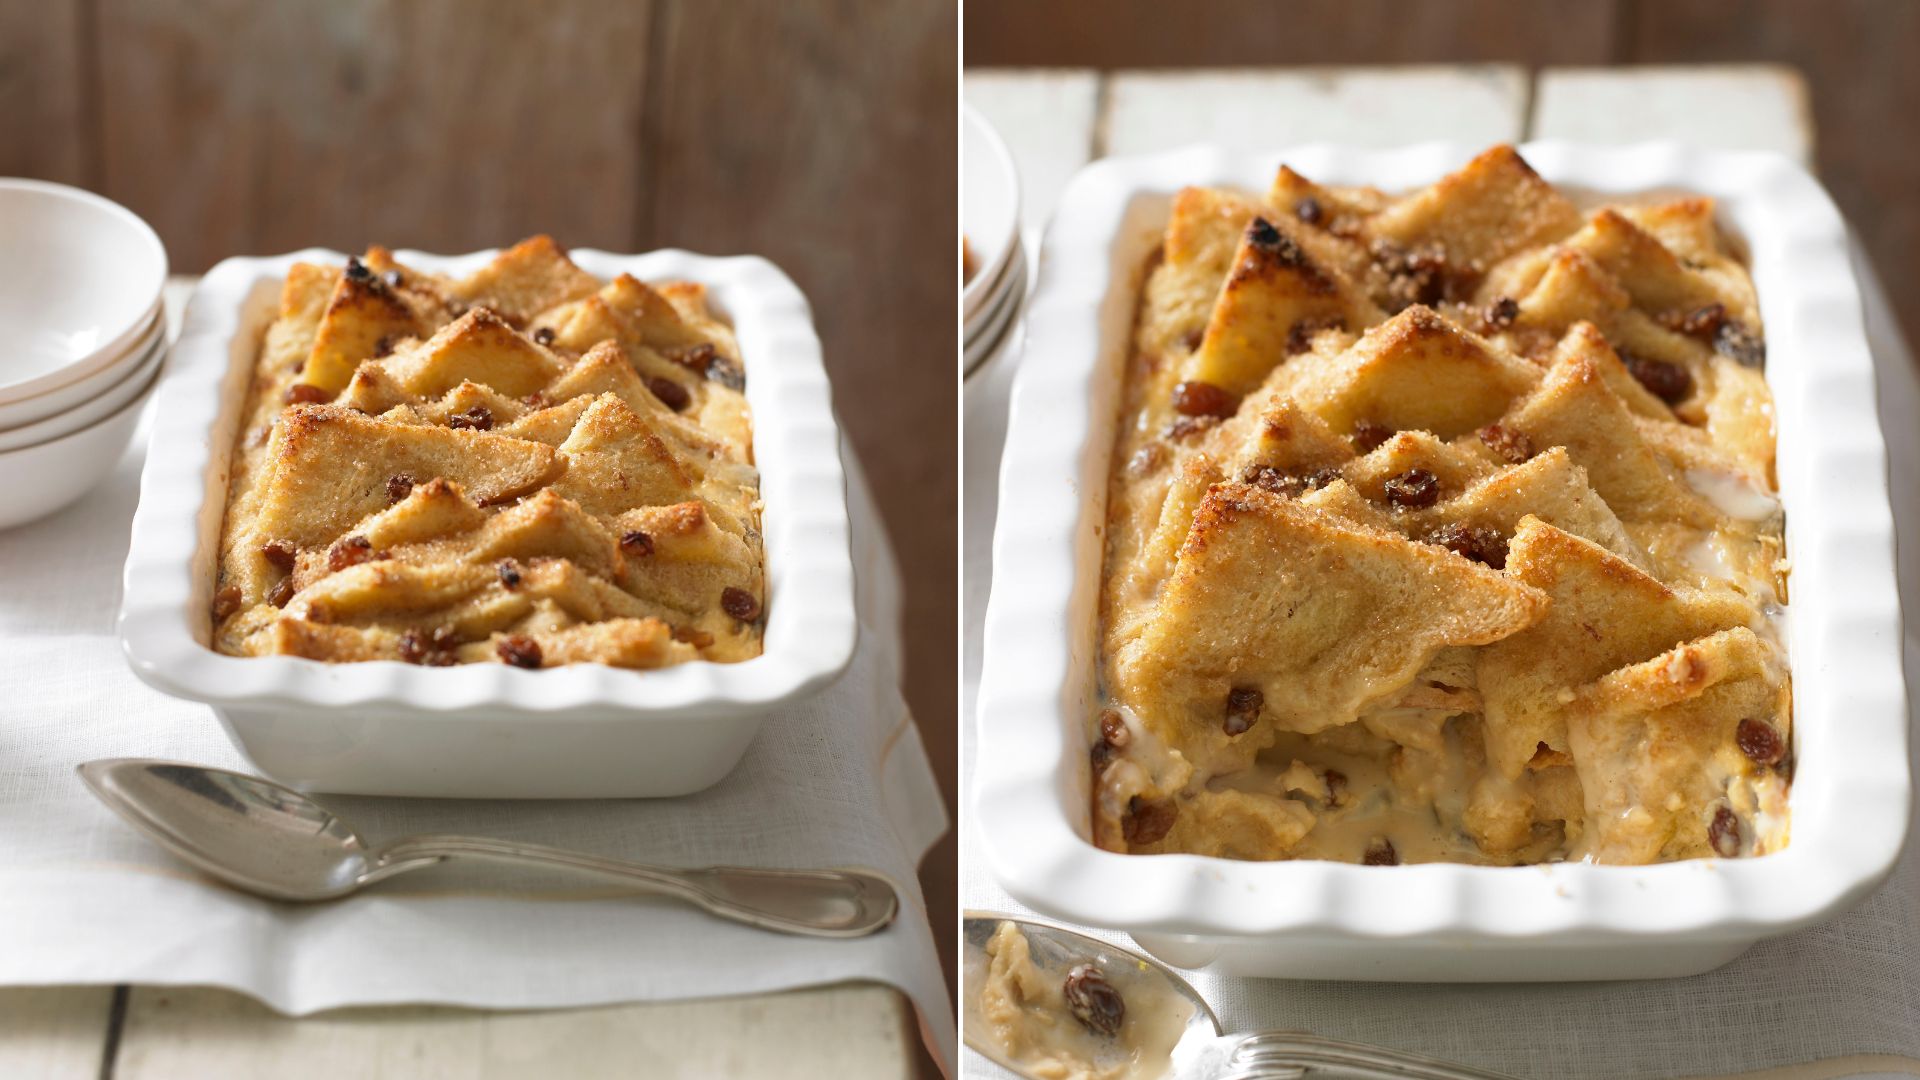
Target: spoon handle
1286	1053
821	903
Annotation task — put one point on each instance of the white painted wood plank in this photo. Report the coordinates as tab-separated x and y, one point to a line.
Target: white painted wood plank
1260	110
53	1032
1749	107
859	1032
1046	118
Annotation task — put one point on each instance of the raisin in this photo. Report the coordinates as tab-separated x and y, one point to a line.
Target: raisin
726	373
1723	834
1183	426
1413	489
348	551
1266	477
433	650
637	544
1368	435
1701	322
385	345
671	394
1336	787
478	418
544	335
226	602
1148	821
694	357
399	486
1733	341
1760	741
1262	233
1101	756
509	574
306	394
740	604
279	554
1419	276
1500	314
281	592
413	649
1669	382
1243	708
394	279
1511	444
1380	853
1481	544
1299	337
357	270
1203	399
1300	334
1093	1001
1308	210
1113	730
519	650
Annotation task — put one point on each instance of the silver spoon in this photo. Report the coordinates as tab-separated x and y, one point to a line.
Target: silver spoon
274	841
1202	1051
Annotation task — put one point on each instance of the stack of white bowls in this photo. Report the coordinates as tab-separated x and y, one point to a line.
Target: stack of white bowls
991	300
82	341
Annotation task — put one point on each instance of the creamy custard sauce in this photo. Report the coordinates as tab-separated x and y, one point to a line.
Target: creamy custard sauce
1442	527
1020	1009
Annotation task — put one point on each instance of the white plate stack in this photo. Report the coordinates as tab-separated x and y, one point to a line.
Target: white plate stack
994	293
82	341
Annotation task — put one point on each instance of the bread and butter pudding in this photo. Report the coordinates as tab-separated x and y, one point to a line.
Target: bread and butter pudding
1441	527
525	465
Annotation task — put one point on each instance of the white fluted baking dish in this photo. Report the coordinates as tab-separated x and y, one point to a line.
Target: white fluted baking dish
1443	922
490	730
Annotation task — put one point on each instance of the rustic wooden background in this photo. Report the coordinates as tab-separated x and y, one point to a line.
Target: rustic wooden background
822	135
1858	57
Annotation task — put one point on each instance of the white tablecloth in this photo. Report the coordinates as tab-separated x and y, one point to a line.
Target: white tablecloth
840	780
1846	993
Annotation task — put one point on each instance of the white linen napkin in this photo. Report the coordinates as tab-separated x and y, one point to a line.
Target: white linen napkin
840	780
1845	994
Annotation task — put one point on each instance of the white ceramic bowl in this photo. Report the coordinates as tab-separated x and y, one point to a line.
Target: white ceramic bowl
1443	922
50	476
52	403
134	380
1001	315
490	730
989	209
80	276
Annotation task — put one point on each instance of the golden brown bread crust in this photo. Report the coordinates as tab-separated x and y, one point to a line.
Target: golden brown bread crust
1442	526
524	466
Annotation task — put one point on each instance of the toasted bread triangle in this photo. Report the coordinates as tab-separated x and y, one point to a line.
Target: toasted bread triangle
1653	743
1275	296
1493	206
1605	613
617	460
1248	607
1416	372
526	279
330	467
